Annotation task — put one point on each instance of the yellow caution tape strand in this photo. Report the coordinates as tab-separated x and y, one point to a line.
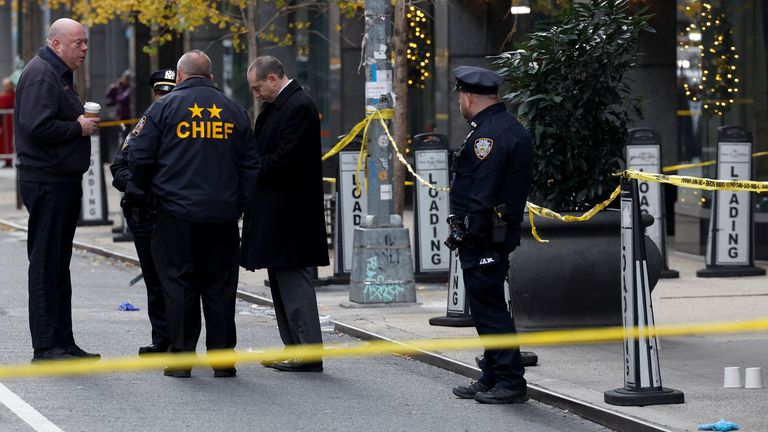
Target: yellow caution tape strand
227	358
549	214
674	168
698	182
381	116
408	166
118	122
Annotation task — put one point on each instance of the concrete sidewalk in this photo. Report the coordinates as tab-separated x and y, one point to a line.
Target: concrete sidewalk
573	377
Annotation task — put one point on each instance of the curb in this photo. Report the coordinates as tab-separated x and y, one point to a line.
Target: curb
600	415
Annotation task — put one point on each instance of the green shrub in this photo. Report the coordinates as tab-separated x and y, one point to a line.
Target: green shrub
569	89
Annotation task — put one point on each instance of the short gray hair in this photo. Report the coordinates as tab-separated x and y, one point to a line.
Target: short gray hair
266	65
195	63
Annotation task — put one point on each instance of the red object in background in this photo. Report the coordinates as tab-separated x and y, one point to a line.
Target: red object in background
6	125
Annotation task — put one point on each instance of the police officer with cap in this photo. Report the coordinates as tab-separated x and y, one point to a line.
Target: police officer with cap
491	177
139	210
194	151
162	81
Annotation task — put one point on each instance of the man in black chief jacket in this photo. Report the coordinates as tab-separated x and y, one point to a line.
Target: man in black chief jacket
53	146
491	179
194	151
284	227
139	209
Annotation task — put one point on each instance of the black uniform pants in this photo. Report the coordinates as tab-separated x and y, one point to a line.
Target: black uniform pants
141	223
485	293
53	211
195	261
295	305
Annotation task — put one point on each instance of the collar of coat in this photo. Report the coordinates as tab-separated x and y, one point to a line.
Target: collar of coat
48	54
290	89
195	81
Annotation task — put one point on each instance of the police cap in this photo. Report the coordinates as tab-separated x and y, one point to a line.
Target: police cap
163	80
477	80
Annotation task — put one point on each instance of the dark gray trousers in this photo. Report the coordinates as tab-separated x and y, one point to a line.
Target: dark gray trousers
295	305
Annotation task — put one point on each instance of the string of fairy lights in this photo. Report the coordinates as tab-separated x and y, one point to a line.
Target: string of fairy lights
717	84
419	50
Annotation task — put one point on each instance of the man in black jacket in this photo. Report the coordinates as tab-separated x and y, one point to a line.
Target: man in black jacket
194	151
53	153
284	227
139	210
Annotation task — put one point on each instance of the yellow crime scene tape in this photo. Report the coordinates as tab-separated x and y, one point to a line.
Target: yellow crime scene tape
698	182
376	348
381	116
675	168
118	122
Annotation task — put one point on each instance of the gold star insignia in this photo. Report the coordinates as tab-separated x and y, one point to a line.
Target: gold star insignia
196	111
214	111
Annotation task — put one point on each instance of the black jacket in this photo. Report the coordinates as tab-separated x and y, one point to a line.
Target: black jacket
285	224
121	178
493	167
49	140
194	151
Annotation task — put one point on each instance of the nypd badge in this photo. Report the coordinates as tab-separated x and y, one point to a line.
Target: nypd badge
483	147
139	126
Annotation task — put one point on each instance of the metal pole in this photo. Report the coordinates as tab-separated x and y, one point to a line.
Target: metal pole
378	93
382	265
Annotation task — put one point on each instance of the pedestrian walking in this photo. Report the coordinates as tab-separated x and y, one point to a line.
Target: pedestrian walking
490	182
53	151
140	208
194	150
284	226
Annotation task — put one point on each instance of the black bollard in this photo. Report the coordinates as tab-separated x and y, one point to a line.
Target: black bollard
642	373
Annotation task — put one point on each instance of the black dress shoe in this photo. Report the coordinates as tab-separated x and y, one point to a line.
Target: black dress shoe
177	373
225	373
499	395
296	365
52	354
469	392
153	349
80	353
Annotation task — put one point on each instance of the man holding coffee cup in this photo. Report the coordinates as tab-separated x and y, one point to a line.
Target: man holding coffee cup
52	140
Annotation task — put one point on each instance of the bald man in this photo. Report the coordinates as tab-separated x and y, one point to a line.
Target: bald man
195	152
53	146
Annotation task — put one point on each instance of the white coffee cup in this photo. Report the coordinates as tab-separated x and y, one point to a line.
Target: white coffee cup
732	377
91	109
753	378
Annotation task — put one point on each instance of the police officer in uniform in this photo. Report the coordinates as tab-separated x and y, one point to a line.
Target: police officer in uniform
139	210
194	151
491	179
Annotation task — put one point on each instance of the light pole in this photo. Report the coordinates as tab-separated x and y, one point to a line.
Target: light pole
382	265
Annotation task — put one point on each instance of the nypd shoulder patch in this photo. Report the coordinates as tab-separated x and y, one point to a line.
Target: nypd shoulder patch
483	147
139	126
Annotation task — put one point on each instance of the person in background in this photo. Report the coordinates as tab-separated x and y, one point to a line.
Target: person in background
7	98
53	151
119	95
139	209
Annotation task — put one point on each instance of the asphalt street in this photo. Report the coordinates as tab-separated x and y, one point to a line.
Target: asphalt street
387	393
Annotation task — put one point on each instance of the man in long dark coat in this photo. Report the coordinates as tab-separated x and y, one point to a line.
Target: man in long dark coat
284	225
